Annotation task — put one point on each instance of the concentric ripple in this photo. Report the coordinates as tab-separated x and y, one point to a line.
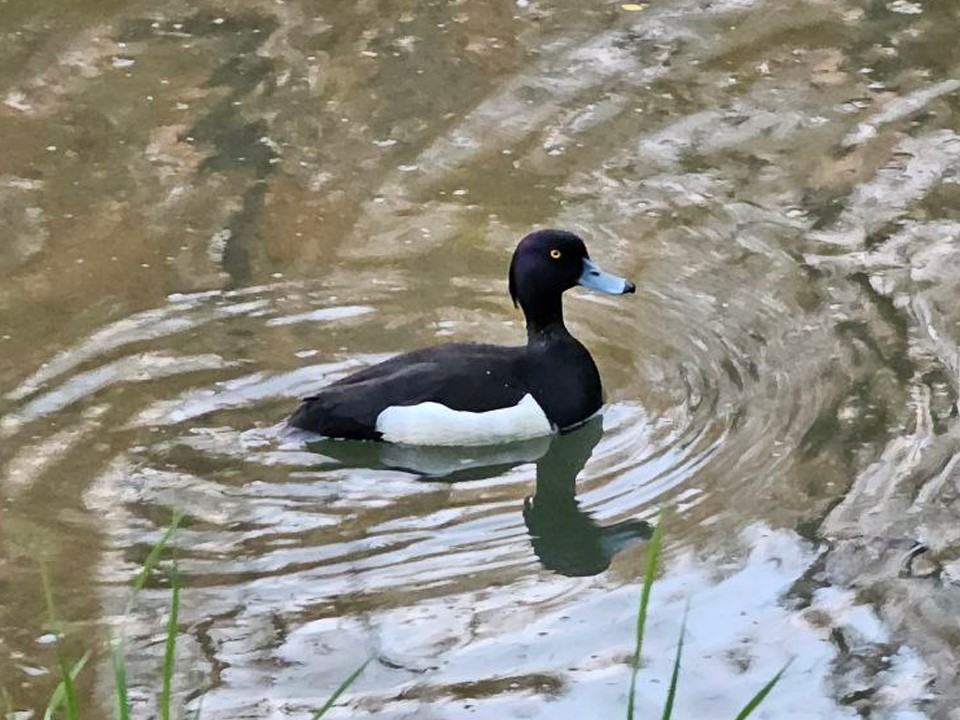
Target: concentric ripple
181	407
271	198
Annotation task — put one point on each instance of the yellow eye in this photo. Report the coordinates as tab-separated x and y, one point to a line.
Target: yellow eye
555	254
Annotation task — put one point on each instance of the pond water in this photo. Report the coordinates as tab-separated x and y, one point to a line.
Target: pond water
211	209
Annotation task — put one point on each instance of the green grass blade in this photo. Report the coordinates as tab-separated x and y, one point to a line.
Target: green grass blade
762	694
340	690
119	660
60	692
170	652
154	557
196	715
69	693
118	652
7	702
675	675
653	561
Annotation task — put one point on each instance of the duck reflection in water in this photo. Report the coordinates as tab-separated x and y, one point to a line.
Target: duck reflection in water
565	538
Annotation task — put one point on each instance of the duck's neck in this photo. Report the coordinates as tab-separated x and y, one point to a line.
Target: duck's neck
545	321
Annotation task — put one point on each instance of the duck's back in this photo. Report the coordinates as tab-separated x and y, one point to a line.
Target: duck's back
427	391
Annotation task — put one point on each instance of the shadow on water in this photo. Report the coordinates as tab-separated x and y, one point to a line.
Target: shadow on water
565	538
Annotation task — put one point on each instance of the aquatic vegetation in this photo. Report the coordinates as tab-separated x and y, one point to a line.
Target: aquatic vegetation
351	678
207	206
653	563
64	703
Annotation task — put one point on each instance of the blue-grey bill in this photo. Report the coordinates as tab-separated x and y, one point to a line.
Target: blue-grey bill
596	279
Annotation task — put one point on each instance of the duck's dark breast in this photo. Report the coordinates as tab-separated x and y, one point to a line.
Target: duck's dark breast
564	381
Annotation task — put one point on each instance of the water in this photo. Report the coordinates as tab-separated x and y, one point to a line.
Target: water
210	211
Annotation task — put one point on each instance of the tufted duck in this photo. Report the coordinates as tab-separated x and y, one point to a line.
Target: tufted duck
475	394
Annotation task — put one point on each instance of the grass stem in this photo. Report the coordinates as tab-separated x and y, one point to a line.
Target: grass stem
119	661
762	694
675	675
7	703
153	558
65	692
170	651
340	690
653	562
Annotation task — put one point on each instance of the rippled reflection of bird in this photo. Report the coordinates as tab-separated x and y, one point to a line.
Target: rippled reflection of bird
565	538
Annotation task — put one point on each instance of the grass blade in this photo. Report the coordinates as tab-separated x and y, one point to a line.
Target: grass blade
7	702
340	690
764	691
120	679
154	557
169	656
60	692
196	714
675	675
118	652
65	691
653	561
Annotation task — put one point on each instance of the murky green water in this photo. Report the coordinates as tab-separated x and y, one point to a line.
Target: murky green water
208	210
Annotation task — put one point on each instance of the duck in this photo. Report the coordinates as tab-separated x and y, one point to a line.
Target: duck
471	394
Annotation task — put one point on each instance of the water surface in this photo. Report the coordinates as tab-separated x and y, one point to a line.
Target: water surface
209	211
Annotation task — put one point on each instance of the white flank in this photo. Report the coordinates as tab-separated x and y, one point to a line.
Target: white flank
431	423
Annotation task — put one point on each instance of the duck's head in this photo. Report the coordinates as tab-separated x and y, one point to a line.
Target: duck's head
546	263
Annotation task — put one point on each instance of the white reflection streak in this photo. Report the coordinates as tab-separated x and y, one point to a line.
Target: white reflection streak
148	325
32	461
240	392
323	315
136	368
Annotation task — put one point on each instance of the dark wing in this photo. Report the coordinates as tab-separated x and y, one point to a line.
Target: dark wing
461	376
